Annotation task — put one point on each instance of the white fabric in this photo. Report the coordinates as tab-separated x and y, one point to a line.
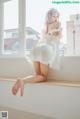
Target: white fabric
46	51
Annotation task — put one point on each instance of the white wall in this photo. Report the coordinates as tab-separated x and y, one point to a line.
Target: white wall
15	67
20	67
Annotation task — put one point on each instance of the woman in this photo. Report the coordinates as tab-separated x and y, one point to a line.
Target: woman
44	53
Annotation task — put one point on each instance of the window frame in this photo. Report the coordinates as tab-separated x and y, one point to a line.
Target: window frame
21	28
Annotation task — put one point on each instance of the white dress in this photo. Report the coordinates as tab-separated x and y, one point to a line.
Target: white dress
46	51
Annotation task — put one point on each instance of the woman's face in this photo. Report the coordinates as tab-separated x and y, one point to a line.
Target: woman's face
55	19
54	23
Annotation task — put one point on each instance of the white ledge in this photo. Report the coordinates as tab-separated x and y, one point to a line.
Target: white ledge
68	83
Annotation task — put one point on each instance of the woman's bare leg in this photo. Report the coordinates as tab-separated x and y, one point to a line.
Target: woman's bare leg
29	79
37	70
35	78
37	67
44	70
41	76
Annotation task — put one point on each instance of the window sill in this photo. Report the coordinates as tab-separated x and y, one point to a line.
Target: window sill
14	55
23	55
66	83
4	56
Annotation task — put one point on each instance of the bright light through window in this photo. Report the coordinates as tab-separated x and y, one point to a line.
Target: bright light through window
35	18
11	41
36	11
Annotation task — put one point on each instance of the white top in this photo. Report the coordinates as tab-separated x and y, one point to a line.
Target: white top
46	51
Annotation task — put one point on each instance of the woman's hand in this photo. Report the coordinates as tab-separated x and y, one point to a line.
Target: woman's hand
54	25
58	35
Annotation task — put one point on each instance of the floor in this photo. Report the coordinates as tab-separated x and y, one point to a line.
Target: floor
59	99
16	114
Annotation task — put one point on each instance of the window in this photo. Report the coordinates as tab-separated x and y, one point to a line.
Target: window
21	25
12	27
11	32
35	16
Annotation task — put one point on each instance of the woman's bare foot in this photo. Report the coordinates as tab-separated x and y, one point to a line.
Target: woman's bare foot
21	87
18	85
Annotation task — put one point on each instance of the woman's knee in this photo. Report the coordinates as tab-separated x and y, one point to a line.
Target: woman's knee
45	78
44	70
41	78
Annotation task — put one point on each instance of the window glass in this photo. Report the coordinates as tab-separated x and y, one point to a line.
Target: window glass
11	35
35	18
